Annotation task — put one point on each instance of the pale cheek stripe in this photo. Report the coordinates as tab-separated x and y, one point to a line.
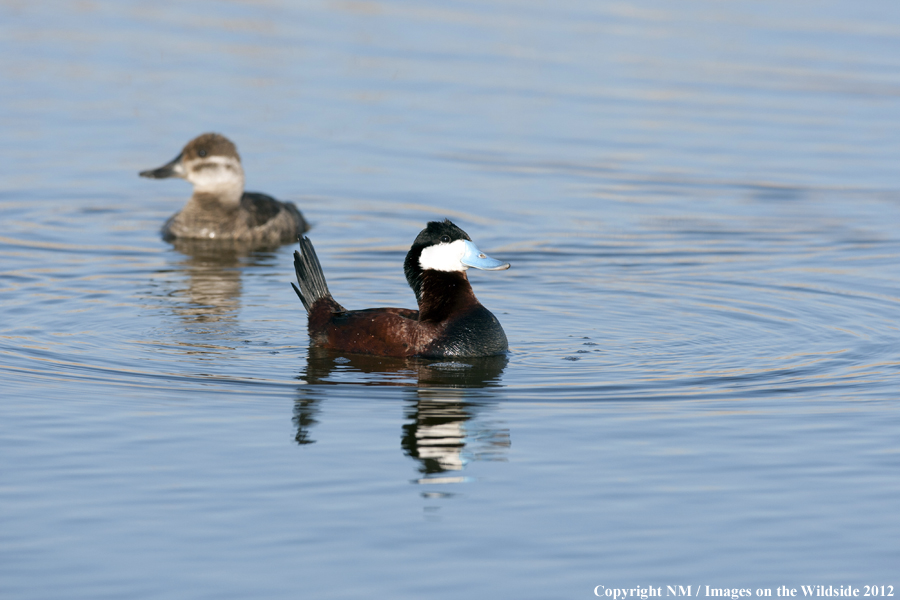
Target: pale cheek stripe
215	174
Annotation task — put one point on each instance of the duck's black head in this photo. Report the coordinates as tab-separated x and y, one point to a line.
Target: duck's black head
444	247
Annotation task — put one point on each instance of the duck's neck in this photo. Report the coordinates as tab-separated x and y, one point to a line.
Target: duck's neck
441	293
229	200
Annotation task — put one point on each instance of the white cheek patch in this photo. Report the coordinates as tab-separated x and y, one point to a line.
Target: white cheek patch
215	174
444	257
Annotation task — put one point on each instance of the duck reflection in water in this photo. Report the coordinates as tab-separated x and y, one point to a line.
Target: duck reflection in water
445	426
203	282
443	434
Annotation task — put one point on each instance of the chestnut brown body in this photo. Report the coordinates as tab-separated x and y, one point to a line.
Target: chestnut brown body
454	325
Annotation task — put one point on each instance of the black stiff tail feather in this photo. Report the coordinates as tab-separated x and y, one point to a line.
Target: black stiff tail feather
310	277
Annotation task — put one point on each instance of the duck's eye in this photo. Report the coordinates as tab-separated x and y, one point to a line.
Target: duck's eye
445	239
201	153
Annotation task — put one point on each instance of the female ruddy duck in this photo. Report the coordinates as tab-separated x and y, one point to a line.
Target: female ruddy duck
220	209
450	321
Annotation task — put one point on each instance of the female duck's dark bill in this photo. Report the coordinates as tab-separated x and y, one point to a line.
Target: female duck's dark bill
170	169
477	259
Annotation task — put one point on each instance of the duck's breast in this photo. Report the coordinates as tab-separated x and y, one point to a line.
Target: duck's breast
477	332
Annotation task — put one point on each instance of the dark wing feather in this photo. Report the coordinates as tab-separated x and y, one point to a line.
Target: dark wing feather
262	208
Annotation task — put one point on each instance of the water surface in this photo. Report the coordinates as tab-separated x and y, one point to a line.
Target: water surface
700	205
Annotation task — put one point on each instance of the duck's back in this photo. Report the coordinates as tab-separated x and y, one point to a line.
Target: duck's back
258	219
399	332
266	216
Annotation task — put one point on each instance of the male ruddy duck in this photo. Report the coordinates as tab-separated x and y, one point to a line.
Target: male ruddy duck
220	209
450	321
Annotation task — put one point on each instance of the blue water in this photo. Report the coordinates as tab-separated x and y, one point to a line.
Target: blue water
700	205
